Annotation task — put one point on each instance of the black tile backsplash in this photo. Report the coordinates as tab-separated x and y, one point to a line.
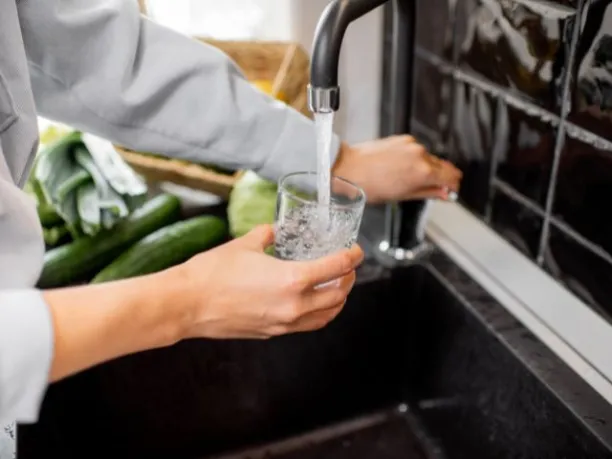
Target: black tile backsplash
584	191
518	224
441	41
592	85
431	100
472	137
521	99
525	152
521	46
581	270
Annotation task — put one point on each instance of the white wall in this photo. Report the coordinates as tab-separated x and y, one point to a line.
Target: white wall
360	67
294	20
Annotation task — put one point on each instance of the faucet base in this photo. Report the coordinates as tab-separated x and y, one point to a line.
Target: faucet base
395	256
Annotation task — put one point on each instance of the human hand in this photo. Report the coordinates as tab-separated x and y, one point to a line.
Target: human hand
237	291
397	168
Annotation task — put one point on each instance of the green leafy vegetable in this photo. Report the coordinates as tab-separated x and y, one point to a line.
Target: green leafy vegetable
252	202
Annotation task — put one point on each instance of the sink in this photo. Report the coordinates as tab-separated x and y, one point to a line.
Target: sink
421	364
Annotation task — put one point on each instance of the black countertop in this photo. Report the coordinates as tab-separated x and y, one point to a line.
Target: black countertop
472	380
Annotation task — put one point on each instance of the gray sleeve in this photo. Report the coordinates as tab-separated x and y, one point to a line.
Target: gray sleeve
100	66
26	350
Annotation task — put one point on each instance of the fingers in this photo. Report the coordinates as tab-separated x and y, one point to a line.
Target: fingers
329	295
435	192
318	319
258	238
436	172
431	192
440	173
322	305
308	274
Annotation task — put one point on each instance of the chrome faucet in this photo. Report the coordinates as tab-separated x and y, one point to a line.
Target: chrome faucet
404	239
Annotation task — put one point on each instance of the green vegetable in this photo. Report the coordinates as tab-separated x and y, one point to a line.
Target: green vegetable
55	167
48	216
53	133
83	258
252	202
79	177
56	235
165	248
70	214
88	206
117	173
108	197
109	218
56	178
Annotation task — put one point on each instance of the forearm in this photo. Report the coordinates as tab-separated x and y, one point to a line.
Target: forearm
97	323
99	66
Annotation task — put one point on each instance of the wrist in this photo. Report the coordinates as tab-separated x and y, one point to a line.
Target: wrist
342	163
97	323
175	306
349	166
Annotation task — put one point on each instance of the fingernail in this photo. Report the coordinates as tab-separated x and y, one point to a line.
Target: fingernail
329	284
452	196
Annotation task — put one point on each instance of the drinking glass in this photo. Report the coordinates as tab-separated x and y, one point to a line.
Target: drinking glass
305	229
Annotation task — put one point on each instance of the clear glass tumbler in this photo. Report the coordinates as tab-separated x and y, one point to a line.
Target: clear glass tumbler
305	229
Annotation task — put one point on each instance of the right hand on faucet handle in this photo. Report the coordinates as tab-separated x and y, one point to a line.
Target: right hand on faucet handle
397	168
237	291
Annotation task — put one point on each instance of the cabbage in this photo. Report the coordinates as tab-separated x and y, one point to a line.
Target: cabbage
252	202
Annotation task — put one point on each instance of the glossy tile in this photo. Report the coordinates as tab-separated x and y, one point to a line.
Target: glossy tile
431	96
522	46
438	16
519	225
586	274
584	191
591	101
472	143
425	136
525	146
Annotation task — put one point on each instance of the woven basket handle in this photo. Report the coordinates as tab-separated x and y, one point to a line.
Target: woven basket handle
142	4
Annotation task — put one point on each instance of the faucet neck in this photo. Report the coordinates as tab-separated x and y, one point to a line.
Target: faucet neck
329	33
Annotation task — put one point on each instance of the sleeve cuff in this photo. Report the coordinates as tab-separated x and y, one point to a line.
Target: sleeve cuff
26	350
295	149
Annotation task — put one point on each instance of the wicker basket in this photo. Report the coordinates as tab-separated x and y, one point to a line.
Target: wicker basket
284	64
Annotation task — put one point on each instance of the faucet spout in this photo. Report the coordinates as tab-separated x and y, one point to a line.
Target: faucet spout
324	91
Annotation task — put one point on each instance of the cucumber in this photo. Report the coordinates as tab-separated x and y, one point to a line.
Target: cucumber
165	248
83	258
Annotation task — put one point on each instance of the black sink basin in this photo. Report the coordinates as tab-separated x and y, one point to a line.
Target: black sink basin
421	364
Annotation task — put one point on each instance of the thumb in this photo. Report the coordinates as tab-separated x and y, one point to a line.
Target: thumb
259	238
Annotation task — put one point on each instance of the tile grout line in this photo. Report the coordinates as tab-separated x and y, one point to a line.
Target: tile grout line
511	98
560	138
520	198
431	134
514	100
495	155
447	142
517	196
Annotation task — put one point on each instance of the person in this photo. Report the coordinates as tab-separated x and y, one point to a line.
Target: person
101	67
